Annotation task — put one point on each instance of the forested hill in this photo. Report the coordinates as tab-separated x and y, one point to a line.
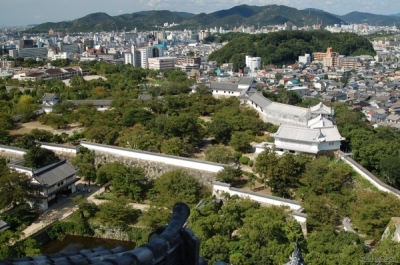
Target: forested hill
372	19
285	46
144	20
234	17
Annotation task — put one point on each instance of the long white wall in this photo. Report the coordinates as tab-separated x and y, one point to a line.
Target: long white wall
149	156
12	150
219	188
60	148
368	175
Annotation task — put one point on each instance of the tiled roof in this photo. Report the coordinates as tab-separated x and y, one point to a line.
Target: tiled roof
332	134
54	173
299	134
101	102
319	122
260	100
287	109
223	86
321	108
145	96
48	97
3	225
246	80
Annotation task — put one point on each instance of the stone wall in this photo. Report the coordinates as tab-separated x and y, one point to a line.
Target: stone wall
153	169
11	157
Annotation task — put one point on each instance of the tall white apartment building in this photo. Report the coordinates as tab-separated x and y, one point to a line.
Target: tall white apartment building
129	58
253	62
145	54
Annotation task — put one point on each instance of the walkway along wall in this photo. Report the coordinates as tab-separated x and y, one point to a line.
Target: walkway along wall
154	164
219	188
368	175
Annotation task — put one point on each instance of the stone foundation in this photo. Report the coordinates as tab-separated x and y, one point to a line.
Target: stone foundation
153	169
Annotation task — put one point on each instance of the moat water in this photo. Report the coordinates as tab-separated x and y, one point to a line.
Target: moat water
81	242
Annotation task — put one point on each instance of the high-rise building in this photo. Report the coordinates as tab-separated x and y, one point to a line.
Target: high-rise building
145	54
253	62
128	58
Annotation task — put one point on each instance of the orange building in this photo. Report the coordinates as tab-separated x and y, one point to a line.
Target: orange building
328	58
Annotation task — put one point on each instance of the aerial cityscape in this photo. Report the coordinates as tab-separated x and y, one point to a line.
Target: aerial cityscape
176	132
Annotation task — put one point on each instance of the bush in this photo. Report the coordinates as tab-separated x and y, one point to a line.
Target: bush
250	163
237	155
244	160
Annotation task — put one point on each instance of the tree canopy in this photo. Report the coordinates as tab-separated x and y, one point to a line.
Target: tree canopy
284	47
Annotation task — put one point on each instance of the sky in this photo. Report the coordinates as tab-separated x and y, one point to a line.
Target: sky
25	12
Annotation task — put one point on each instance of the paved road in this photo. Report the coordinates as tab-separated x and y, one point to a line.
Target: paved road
65	207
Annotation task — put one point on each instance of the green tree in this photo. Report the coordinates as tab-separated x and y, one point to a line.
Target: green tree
220	130
372	211
117	213
26	141
41	135
176	186
155	217
138	137
184	126
266	165
265	234
130	182
390	168
175	146
102	134
331	247
26	106
85	161
219	154
37	157
14	187
240	141
229	174
321	212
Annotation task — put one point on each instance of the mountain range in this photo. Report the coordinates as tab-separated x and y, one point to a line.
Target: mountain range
245	15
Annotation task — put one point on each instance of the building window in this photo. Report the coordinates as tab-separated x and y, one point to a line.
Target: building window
331	143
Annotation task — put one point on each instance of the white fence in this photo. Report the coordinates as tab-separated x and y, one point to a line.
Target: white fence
219	188
149	156
368	175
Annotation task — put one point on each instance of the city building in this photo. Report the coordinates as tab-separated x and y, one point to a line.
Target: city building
253	63
145	54
306	59
161	63
328	58
188	60
7	64
349	62
29	53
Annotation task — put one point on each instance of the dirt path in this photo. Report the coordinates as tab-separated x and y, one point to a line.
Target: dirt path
25	128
